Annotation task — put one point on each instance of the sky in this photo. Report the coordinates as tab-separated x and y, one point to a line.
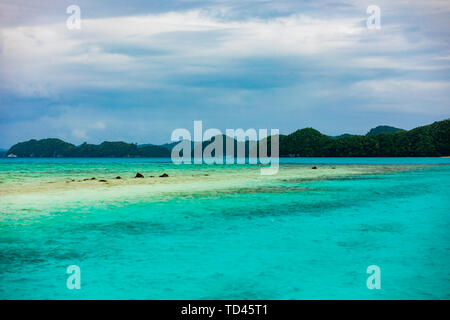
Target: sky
137	70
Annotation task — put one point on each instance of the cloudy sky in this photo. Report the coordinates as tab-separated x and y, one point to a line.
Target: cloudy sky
136	70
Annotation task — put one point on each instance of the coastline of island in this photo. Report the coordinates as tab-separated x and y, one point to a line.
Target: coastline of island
383	141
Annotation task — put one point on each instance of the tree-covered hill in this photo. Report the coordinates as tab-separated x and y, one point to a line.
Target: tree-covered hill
43	148
428	141
382	129
59	148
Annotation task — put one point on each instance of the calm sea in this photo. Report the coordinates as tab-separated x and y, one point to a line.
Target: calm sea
229	236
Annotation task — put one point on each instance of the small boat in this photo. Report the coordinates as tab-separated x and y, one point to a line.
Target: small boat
11	155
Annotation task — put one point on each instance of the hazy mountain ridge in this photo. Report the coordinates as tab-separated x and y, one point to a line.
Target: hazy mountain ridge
430	140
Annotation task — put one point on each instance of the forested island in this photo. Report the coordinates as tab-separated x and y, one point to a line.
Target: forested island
383	141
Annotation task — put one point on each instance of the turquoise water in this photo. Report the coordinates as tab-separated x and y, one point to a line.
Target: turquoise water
224	232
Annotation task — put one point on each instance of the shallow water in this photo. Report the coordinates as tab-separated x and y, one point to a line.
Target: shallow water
225	232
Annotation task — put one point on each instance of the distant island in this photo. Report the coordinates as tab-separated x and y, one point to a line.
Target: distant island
383	141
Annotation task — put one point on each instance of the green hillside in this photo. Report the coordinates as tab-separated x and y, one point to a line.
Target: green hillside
428	141
382	129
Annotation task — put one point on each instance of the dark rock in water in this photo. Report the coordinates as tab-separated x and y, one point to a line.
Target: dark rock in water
333	168
138	175
93	178
102	180
87	179
164	175
314	168
118	177
206	174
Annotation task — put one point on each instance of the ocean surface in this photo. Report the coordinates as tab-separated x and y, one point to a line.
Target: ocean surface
225	231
